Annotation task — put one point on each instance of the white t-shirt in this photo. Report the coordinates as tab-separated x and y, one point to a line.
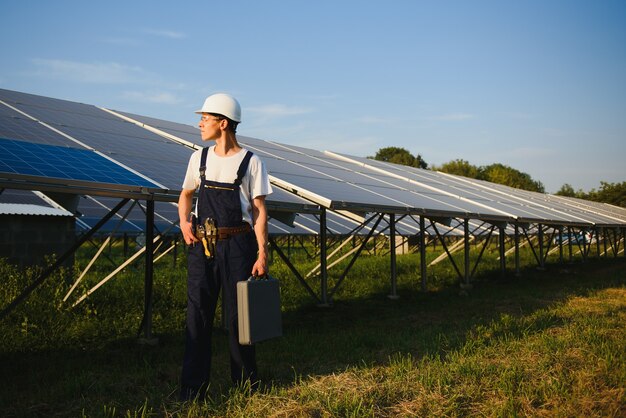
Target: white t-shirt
255	182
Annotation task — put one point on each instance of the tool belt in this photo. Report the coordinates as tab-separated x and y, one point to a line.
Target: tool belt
208	233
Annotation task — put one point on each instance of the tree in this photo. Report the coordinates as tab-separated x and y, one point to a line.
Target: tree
611	193
459	168
419	162
503	174
494	173
401	156
566	190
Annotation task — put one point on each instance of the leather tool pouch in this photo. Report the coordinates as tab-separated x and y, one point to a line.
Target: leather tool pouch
206	233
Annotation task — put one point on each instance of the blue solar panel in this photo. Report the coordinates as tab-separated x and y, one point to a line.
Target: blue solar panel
16	126
42	160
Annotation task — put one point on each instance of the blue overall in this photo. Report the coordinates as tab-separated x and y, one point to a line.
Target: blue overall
233	262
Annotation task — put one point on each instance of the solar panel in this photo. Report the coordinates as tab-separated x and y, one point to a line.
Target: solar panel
443	184
14	125
188	133
513	201
159	159
155	149
320	174
611	211
24	197
92	127
27	158
550	203
312	170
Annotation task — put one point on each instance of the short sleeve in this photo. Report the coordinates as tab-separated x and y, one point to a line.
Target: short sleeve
192	176
259	179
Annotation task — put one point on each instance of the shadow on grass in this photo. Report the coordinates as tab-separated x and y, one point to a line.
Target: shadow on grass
109	378
370	330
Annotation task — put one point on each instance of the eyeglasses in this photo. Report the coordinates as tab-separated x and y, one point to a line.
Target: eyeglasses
208	118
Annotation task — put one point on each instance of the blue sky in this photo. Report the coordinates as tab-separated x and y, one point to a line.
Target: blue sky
537	85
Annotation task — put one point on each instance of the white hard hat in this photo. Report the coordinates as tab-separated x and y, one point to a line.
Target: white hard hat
222	104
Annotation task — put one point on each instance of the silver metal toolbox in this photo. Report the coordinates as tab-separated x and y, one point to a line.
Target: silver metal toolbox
258	310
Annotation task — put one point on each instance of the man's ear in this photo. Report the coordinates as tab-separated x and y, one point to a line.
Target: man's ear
224	124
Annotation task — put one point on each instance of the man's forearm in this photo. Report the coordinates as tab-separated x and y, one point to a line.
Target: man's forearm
260	230
185	201
259	217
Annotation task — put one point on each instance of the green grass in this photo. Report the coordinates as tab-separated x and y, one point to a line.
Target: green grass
549	343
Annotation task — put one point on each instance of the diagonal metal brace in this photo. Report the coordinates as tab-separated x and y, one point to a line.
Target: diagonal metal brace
356	255
482	251
445	247
293	269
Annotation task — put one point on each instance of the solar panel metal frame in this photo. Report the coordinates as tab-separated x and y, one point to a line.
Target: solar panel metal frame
281	201
264	149
613	211
382	192
370	192
277	201
556	215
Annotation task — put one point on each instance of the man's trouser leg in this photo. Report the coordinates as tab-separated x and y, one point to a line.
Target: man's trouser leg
203	287
237	256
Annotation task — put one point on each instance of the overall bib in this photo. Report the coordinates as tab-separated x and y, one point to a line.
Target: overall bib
233	261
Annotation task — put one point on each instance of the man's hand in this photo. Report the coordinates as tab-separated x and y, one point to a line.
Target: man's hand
184	207
260	267
186	228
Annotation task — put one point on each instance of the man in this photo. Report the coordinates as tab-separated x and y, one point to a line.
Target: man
232	184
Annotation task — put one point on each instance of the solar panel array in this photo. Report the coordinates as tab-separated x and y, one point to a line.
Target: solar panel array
27	158
15	125
76	127
155	152
521	205
375	184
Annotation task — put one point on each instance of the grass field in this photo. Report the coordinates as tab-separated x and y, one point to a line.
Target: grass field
548	343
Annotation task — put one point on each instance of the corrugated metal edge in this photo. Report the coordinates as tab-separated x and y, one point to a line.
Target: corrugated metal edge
27	209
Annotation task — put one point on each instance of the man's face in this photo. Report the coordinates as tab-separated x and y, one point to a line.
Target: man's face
209	127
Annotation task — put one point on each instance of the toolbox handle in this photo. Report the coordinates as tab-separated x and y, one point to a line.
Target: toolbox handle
263	277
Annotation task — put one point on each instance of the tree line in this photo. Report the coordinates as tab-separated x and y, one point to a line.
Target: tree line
612	193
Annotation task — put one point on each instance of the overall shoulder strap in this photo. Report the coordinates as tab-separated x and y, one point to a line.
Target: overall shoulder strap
205	152
243	167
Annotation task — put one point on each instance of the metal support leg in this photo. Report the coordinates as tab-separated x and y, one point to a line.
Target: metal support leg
323	271
392	239
147	315
423	252
542	264
467	273
517	269
501	248
569	244
560	245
